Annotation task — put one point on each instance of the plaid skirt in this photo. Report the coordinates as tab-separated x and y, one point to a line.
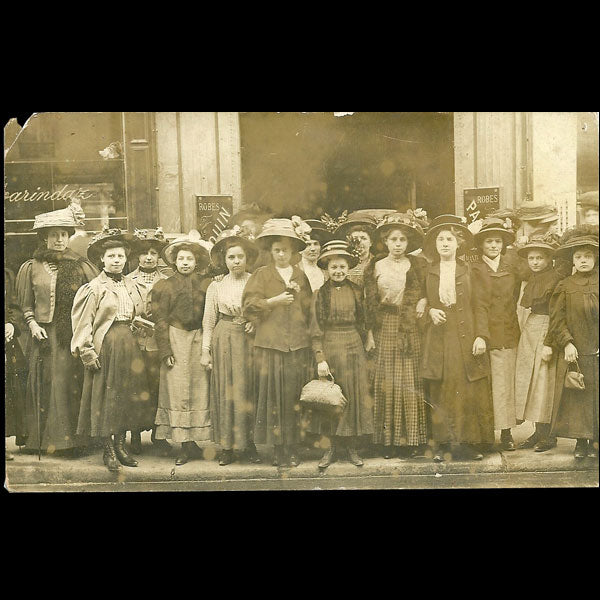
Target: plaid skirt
400	416
346	358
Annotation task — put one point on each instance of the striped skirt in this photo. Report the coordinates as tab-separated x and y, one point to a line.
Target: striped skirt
345	355
183	413
534	378
231	386
400	416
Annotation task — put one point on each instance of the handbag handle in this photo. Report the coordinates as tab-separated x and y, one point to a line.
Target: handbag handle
327	378
576	364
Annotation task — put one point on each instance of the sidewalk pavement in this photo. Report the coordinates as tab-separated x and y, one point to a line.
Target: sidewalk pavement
521	468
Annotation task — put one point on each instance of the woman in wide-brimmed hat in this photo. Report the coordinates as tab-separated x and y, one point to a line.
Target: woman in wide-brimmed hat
502	282
395	301
146	246
277	300
573	332
227	347
46	287
338	336
183	414
251	218
360	226
310	255
115	385
536	363
455	361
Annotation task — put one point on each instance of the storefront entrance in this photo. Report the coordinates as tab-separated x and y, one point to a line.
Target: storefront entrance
310	163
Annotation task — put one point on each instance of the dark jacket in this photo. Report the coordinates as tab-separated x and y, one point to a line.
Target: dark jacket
283	328
505	289
179	302
472	306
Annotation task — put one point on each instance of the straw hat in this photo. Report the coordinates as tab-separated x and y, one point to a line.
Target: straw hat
200	249
144	237
577	237
95	248
547	242
67	218
407	223
358	217
217	253
295	229
542	214
338	248
493	225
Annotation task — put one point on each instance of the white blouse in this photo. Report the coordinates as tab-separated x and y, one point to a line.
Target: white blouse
391	279
447	289
225	297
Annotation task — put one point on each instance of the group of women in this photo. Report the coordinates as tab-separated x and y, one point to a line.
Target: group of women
426	347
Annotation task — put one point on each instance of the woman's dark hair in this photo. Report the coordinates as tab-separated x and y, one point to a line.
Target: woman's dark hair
430	248
193	248
142	246
43	234
232	244
361	229
480	239
115	244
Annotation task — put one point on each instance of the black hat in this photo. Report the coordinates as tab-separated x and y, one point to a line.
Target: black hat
319	231
543	214
502	227
95	247
217	254
407	223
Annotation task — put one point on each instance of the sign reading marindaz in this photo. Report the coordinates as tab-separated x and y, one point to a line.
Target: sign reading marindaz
213	214
480	202
39	194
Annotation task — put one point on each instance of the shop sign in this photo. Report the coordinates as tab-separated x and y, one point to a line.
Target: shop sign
64	193
480	202
212	215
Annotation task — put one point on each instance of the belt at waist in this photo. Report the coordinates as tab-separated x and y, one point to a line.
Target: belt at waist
340	327
390	309
238	320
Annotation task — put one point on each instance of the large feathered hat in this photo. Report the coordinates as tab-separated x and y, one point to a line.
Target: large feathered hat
67	218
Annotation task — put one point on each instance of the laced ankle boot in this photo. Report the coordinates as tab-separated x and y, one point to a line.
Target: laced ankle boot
110	458
121	453
136	442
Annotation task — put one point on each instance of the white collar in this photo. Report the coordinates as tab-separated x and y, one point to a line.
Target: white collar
492	263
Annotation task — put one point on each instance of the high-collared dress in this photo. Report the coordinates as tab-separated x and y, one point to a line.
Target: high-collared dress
148	345
232	376
356	274
574	318
316	276
282	357
46	287
534	377
113	397
338	335
393	289
183	413
458	381
504	284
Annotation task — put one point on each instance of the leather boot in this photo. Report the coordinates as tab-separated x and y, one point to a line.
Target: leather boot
226	457
441	451
328	457
185	453
252	453
294	457
121	453
110	458
278	456
506	440
136	442
581	448
354	458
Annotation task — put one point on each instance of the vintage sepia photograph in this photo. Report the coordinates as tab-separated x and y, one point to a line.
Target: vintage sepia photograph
253	301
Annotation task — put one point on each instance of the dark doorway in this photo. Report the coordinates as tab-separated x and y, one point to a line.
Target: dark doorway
310	163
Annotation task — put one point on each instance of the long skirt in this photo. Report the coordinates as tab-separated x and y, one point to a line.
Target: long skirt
53	394
463	412
534	378
576	411
183	413
347	361
15	370
114	397
503	363
400	412
147	410
232	385
279	379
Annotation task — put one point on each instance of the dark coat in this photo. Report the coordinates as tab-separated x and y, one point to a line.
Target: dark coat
472	307
283	328
505	287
